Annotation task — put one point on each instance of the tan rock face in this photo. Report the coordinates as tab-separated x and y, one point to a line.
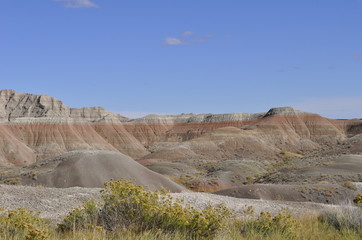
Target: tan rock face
27	108
35	127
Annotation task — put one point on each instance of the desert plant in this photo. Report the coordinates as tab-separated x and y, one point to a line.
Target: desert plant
358	200
283	223
126	205
85	217
22	224
12	181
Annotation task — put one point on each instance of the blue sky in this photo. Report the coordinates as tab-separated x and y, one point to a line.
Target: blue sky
203	56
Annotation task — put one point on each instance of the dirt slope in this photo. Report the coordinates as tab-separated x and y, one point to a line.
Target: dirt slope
322	193
92	169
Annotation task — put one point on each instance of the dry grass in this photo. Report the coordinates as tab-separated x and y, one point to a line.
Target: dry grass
310	228
344	218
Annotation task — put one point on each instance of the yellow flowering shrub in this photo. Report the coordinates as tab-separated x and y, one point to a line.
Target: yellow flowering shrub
126	205
358	200
22	224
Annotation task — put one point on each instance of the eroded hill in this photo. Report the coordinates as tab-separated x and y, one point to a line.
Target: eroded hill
199	150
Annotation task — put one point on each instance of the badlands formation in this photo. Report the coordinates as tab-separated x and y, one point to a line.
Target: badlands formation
204	152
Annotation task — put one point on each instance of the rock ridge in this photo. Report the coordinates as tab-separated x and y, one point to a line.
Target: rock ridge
31	108
28	108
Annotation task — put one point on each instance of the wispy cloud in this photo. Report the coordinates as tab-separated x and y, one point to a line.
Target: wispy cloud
78	3
187	38
359	57
280	70
187	33
174	41
333	107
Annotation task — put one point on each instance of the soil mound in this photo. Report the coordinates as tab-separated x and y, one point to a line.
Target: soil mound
93	169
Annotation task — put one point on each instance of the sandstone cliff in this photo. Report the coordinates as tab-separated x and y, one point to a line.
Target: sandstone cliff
27	108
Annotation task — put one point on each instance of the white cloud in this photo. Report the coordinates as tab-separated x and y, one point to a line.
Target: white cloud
334	107
187	33
186	39
174	41
78	3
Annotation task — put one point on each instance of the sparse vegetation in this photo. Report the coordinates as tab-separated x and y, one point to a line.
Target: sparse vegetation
12	181
189	181
349	185
358	200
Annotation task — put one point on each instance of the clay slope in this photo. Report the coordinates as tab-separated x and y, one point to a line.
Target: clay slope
92	169
280	135
23	144
279	130
315	168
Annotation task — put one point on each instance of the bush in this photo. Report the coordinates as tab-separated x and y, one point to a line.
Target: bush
82	218
358	200
22	224
126	205
283	223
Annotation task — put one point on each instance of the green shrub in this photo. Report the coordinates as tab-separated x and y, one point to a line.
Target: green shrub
358	200
22	224
82	218
283	223
126	205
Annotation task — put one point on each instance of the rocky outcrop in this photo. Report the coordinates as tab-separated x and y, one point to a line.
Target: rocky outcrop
196	118
29	108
